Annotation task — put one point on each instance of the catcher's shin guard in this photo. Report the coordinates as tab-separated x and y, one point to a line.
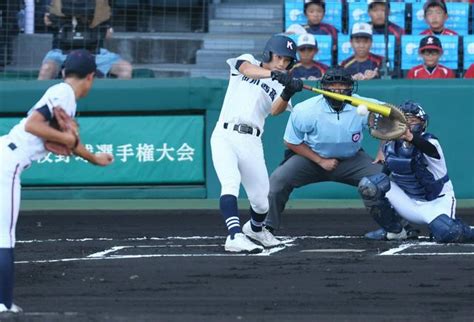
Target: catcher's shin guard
373	189
448	230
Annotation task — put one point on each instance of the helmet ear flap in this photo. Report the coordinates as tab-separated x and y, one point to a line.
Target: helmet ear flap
267	56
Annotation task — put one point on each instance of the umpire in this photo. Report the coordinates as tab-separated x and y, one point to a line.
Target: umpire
324	139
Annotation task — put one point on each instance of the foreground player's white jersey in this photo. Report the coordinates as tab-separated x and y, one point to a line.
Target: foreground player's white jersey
248	101
438	167
61	95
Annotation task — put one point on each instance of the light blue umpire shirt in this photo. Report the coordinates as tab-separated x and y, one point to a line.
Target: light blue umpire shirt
328	133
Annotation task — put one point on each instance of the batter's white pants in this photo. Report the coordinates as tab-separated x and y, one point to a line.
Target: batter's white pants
238	158
12	164
421	212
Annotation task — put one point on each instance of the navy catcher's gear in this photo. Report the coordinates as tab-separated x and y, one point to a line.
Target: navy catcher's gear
337	75
409	170
373	189
280	45
411	108
448	230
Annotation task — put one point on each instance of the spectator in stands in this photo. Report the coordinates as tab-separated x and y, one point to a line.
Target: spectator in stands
436	14
306	68
81	25
469	72
431	51
363	65
314	10
377	19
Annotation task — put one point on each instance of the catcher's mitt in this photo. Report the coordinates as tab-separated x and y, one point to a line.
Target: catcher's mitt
61	121
388	128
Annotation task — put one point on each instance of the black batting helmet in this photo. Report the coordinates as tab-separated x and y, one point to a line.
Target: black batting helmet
280	45
338	75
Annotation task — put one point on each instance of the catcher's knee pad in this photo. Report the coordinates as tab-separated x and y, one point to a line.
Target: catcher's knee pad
448	230
374	187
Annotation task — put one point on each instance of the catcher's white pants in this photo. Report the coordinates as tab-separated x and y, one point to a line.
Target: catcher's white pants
238	158
421	212
12	164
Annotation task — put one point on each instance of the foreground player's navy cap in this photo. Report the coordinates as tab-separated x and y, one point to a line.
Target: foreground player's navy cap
80	62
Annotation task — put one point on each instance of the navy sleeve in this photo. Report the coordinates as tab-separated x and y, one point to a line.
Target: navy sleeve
44	110
425	146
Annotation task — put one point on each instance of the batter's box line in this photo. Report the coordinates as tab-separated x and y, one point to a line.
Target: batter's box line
397	251
106	254
88	239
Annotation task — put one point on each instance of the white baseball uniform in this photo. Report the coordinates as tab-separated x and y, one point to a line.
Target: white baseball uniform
238	157
424	212
17	150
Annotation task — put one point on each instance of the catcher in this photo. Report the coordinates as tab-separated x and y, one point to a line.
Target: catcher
415	184
48	125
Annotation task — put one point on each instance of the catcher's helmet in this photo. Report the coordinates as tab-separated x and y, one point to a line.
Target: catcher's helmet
338	75
410	108
280	45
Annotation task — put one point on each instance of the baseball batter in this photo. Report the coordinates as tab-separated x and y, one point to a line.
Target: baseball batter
415	184
256	89
25	143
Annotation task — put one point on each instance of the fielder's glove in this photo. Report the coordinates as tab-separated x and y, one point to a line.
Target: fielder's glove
295	85
281	77
61	121
388	128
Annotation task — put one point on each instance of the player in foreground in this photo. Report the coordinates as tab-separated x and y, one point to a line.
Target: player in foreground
415	184
28	141
256	89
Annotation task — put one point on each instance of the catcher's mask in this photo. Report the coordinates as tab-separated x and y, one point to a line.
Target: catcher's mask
412	109
338	75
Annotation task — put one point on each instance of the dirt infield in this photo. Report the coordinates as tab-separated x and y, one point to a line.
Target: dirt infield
170	266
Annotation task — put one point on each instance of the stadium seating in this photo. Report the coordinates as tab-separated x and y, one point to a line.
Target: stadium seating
410	57
358	12
458	20
468	51
378	47
324	46
294	13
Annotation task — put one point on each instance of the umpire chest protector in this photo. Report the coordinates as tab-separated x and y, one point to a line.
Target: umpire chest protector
409	169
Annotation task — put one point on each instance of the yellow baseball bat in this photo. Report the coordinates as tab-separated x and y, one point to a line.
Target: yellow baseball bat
371	106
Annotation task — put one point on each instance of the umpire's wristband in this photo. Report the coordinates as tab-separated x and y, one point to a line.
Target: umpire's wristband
287	94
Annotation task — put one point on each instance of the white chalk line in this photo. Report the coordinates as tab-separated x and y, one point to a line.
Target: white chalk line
287	241
397	251
284	239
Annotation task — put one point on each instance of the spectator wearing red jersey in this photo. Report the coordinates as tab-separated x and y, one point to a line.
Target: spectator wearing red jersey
314	10
436	14
377	19
469	72
363	65
306	68
431	51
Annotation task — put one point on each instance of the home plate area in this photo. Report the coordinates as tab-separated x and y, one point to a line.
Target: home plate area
86	249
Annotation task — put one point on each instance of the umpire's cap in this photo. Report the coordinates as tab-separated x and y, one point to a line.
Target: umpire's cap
281	45
80	62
